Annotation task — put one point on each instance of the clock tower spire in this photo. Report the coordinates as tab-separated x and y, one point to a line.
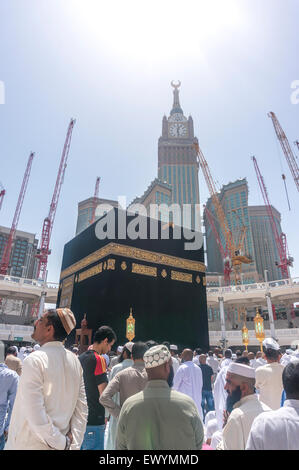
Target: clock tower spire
177	159
176	108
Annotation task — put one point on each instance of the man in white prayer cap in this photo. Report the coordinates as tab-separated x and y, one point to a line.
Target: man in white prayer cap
269	377
245	406
159	418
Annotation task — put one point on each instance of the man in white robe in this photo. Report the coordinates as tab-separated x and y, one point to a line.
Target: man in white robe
240	380
50	409
220	396
279	429
269	377
175	361
188	379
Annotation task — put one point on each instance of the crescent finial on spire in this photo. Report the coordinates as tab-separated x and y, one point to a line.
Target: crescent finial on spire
174	85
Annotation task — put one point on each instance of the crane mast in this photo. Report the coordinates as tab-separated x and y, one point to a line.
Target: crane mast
2	194
8	247
94	202
290	158
44	250
280	240
235	255
227	269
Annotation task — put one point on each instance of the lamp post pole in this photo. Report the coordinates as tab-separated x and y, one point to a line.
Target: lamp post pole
269	307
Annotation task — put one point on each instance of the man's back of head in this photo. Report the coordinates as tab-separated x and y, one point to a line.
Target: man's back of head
187	355
138	350
11	351
290	380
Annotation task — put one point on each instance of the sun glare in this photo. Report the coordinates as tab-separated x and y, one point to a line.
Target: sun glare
156	29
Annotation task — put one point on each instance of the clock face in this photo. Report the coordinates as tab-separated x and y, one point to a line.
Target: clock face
178	130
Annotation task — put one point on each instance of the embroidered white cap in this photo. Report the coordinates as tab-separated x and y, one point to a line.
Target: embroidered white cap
156	356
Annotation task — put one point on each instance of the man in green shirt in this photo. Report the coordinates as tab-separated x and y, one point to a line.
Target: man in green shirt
159	418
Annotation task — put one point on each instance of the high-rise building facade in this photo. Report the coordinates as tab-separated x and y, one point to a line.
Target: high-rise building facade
265	249
234	200
177	160
85	211
158	193
23	262
259	242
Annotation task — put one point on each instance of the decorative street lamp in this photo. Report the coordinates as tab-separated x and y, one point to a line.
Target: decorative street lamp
245	337
130	333
259	328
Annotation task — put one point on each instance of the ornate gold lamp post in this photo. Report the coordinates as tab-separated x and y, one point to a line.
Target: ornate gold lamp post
130	330
245	337
259	328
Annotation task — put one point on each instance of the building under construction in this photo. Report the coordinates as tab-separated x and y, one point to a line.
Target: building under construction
259	241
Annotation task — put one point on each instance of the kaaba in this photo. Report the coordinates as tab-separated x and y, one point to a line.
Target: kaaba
156	276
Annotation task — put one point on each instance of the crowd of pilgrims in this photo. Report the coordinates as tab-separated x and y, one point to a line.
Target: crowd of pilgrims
145	395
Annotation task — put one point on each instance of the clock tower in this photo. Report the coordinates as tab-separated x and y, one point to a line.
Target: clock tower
177	161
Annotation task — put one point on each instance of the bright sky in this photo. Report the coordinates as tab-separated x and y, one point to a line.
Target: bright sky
109	65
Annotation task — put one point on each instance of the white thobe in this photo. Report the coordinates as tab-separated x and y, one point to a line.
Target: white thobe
225	362
276	430
50	401
214	363
216	438
220	396
175	364
268	382
112	428
236	431
188	380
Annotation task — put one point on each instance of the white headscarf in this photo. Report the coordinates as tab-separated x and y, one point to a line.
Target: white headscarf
21	353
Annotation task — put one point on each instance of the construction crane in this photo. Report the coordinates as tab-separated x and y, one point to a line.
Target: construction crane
44	251
290	158
234	251
227	268
8	247
94	202
280	240
2	194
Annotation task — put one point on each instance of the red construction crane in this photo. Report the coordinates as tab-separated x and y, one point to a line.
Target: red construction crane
8	247
290	158
227	268
94	202
236	256
2	194
44	250
280	240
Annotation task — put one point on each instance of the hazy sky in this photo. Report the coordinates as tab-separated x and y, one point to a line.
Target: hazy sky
109	65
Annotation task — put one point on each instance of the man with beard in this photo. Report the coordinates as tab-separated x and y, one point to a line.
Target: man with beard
242	404
159	418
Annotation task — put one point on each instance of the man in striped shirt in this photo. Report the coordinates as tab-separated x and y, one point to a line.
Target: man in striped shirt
95	380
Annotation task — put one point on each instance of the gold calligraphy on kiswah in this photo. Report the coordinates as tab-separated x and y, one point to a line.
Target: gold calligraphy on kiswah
136	254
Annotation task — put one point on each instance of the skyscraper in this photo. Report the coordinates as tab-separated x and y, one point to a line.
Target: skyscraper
234	200
177	161
23	262
265	249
